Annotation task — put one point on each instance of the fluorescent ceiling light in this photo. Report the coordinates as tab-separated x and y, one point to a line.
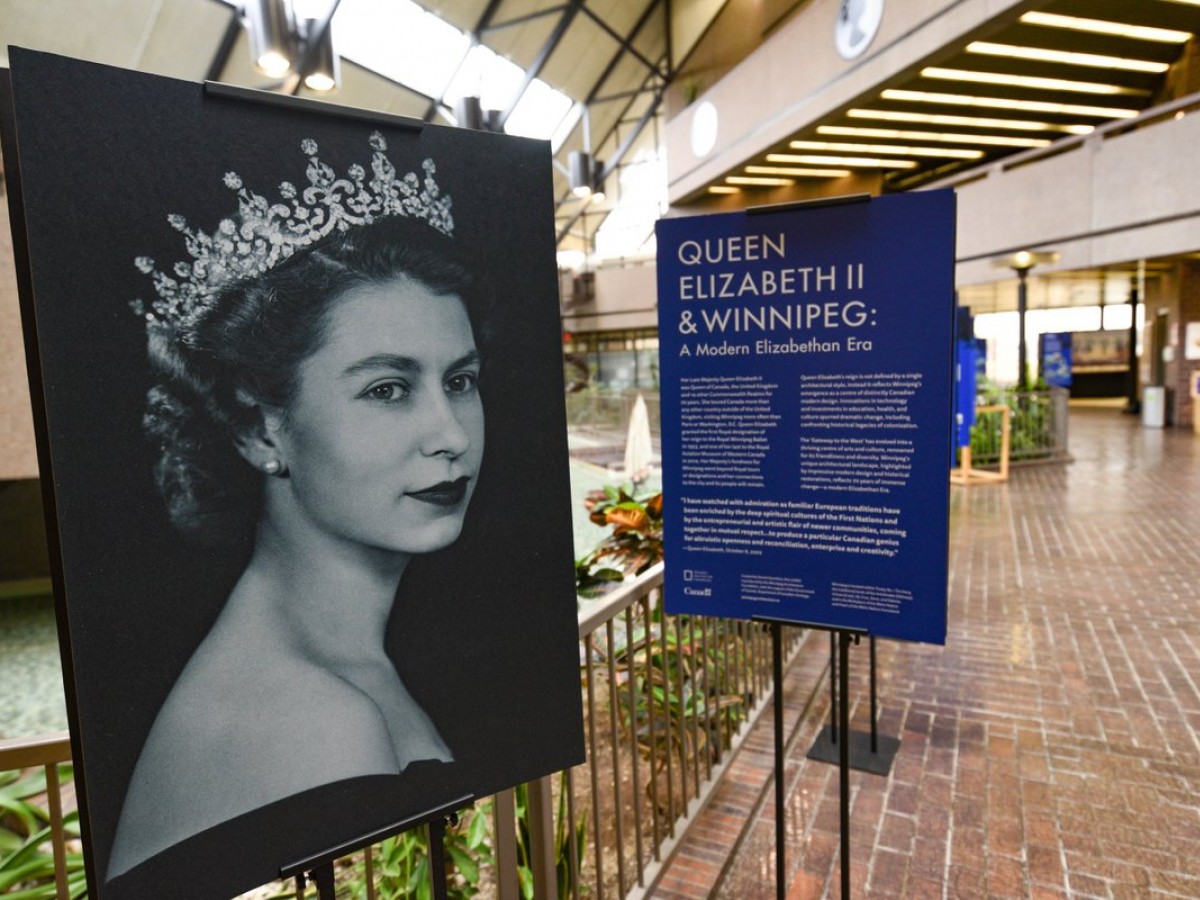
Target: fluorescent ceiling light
1101	26
1042	106
1031	81
897	134
887	149
756	181
798	173
1068	57
723	189
857	162
891	115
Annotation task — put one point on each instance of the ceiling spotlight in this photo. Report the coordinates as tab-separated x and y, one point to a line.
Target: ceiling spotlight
271	36
322	66
580	173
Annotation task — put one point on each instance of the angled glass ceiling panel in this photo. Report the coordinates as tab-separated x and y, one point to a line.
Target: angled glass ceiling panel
488	76
400	41
523	41
581	57
539	111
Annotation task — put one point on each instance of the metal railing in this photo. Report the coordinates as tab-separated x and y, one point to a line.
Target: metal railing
1038	427
667	700
47	753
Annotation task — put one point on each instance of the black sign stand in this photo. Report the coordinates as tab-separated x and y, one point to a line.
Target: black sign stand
319	866
869	751
843	637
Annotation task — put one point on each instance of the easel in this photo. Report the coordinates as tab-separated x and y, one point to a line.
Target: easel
965	474
319	867
842	637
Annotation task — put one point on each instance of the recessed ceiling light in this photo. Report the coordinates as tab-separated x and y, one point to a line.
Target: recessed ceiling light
893	115
1101	26
1042	106
887	149
798	173
1031	81
898	134
756	181
1067	57
860	162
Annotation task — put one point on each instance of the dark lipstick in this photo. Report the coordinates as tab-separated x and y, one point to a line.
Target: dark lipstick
444	493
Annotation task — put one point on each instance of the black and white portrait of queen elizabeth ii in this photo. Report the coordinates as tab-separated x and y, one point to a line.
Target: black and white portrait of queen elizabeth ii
335	418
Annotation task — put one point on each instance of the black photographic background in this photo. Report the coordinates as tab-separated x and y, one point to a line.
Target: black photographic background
485	633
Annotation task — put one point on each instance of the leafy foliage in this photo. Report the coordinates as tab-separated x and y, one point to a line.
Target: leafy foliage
633	546
1031	426
26	857
562	841
402	868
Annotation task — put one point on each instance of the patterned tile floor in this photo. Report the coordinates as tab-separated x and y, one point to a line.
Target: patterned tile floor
1051	748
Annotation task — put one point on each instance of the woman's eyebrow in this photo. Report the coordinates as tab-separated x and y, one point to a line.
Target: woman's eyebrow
383	361
465	361
400	363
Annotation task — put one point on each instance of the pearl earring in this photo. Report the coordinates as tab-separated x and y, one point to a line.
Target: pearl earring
272	467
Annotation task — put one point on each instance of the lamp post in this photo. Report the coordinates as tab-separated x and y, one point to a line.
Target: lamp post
1021	262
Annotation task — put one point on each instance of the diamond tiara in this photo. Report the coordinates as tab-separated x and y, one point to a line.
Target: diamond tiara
263	234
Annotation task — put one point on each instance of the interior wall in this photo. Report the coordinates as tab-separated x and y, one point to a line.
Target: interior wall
1108	201
18	457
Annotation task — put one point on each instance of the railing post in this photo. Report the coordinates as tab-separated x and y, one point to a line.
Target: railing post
541	839
57	836
504	812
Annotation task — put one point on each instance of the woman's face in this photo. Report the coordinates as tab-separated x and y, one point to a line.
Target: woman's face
384	438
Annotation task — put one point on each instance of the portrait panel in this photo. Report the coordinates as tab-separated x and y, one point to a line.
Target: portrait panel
301	389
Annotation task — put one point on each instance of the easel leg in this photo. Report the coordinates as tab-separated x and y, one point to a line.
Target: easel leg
780	767
843	713
322	877
437	857
833	688
874	701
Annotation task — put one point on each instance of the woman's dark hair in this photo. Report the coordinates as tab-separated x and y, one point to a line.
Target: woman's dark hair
251	344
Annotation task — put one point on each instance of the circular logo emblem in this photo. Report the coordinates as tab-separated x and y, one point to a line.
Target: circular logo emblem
857	24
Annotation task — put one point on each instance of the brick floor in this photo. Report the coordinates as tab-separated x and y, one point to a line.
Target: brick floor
1050	749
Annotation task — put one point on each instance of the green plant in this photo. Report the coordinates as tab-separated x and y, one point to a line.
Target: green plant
401	863
1031	424
26	858
563	829
681	680
633	546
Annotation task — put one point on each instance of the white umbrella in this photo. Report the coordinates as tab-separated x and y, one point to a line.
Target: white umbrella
639	447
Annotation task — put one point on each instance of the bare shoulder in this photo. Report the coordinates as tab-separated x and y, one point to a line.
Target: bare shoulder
228	741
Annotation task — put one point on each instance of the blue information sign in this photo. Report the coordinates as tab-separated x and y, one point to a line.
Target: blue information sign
1056	359
806	360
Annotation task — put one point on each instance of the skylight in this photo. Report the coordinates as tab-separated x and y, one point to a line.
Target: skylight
401	41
